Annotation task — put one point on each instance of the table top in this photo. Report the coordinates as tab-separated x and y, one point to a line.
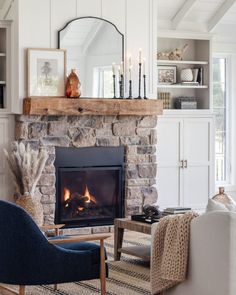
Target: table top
138	226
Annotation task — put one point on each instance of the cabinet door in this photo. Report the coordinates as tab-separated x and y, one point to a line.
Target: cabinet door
197	153
169	154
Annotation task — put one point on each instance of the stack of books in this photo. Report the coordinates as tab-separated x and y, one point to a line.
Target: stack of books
165	97
175	210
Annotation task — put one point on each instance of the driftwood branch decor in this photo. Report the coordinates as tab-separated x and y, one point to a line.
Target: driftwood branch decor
26	166
176	54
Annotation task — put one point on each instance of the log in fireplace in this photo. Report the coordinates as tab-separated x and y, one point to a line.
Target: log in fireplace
89	185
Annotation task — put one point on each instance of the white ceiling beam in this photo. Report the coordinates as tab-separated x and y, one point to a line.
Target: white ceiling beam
220	13
7	4
182	12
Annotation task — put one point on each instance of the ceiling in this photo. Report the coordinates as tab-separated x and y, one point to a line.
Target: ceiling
214	16
2	2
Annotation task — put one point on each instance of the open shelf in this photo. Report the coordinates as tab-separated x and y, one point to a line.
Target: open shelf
173	86
184	62
2	54
196	56
143	252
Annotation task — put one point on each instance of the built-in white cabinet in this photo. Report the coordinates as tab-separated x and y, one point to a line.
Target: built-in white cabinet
185	161
4	66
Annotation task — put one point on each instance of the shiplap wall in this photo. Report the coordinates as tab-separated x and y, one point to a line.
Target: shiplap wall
6	137
39	22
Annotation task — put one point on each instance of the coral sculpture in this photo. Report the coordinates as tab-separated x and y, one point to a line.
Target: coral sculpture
176	54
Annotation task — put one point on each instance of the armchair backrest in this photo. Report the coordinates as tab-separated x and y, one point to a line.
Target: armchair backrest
20	238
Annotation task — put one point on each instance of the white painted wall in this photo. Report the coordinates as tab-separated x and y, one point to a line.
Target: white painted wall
39	22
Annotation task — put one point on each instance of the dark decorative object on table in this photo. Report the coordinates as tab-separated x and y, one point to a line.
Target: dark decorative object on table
151	211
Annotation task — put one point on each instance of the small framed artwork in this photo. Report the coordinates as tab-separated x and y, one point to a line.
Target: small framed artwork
166	74
46	72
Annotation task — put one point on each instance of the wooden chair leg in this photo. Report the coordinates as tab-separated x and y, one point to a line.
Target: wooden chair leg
102	268
55	287
22	290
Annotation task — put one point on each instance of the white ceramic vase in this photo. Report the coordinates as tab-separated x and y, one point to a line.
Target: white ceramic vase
186	75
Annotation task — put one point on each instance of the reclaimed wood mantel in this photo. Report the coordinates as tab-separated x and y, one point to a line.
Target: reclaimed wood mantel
91	106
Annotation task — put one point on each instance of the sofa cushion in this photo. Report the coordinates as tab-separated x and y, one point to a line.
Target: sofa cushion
215	206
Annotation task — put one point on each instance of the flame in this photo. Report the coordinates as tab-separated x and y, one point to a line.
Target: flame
66	194
79	209
89	196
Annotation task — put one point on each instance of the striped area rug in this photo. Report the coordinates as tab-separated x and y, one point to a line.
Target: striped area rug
129	276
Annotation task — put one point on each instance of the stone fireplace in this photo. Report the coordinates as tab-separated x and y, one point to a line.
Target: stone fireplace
136	133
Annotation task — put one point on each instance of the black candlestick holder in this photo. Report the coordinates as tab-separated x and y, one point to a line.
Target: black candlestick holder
139	81
114	86
121	82
130	89
144	87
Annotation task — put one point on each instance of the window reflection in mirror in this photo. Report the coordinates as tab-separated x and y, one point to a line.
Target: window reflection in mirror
92	45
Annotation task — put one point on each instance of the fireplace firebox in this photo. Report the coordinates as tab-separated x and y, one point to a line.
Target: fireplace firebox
89	186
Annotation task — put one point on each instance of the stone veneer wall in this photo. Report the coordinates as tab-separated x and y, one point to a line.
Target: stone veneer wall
137	134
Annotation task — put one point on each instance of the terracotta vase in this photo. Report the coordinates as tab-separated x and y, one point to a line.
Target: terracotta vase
33	207
73	85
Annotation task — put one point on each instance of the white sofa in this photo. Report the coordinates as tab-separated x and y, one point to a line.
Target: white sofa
212	260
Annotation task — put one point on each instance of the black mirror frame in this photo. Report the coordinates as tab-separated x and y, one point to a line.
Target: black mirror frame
85	17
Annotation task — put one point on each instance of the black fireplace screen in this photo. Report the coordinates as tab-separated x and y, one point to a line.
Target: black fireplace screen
88	195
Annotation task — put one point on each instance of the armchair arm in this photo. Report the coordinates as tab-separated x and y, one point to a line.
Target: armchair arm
74	239
101	238
56	227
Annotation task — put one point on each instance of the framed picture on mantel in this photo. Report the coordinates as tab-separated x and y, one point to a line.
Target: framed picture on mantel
46	72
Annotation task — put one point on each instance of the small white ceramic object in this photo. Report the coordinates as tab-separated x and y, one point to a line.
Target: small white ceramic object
186	75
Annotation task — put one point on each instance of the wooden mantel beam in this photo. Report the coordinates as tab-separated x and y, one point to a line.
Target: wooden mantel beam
91	106
220	13
181	13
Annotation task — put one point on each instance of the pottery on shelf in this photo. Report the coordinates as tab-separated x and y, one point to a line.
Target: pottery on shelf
73	85
186	75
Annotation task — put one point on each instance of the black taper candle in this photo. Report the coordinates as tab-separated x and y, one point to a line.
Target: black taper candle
144	87
114	85
139	81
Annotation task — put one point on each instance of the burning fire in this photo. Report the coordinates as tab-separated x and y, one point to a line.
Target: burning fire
66	194
76	198
89	196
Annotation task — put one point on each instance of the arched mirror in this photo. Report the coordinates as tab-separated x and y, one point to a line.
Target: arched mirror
93	45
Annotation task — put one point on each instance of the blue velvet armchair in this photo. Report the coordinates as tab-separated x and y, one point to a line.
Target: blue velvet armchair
28	258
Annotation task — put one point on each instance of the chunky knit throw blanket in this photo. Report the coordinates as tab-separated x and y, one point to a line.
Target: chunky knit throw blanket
169	257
